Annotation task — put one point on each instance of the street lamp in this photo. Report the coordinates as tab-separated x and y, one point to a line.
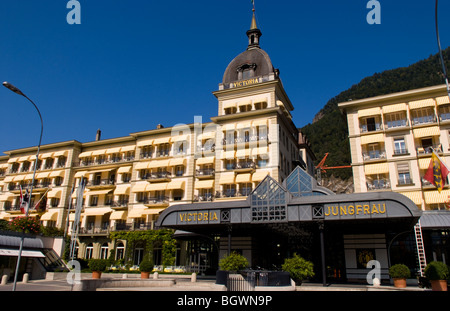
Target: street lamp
19	92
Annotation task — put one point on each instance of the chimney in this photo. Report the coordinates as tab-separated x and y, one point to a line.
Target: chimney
159	126
98	136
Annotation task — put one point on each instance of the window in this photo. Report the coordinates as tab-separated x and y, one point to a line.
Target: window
397	119
89	251
400	146
120	251
424	115
444	112
179	170
177	195
245	189
404	177
93	200
229	190
104	251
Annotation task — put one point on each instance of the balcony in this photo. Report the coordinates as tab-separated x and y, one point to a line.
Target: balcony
400	151
91	162
134	226
396	124
245	166
100	183
365	128
154	201
378	184
429	149
157	176
424	119
105	230
205	173
209	197
374	155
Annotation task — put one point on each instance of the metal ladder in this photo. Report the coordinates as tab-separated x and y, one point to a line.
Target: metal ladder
420	248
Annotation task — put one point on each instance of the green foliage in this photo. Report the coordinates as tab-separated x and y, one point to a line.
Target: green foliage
97	264
233	262
399	271
298	267
25	225
164	237
330	133
146	264
437	270
4	225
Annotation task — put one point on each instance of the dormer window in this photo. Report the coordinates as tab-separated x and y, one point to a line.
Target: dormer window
246	71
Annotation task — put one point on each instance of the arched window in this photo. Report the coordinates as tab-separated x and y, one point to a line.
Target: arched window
104	251
120	251
89	251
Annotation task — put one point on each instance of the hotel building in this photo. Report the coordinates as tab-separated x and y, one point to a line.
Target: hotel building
391	140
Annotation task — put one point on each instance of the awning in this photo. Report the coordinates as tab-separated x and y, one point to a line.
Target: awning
57	174
43	175
152	211
85	154
374	138
55	193
434	197
136	213
98	152
205	160
424	163
415	196
207	135
259	175
242	153
432	219
204	184
46	155
160	163
4	215
369	112
142	165
157	186
50	215
98	192
147	142
124	169
162	140
374	169
81	174
122	189
226	178
176	184
177	161
128	148
442	100
259	151
118	215
228	155
19	178
429	102
394	108
179	138
113	150
426	131
8	178
259	122
25	253
243	178
61	153
140	187
97	211
229	104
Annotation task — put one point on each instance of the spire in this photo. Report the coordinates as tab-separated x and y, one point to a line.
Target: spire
254	33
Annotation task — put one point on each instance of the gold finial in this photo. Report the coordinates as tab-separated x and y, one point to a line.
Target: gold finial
253	26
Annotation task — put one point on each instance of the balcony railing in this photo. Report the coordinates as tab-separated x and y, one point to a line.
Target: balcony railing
204	198
397	123
100	182
156	175
429	149
400	151
378	184
374	155
424	119
153	200
371	127
205	172
91	162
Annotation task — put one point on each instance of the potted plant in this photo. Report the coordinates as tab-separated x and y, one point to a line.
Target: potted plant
299	268
146	267
437	272
97	266
233	262
399	273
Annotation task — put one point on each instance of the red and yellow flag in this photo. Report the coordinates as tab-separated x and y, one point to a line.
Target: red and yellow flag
437	172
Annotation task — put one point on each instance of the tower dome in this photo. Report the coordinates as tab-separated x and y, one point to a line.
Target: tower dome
254	63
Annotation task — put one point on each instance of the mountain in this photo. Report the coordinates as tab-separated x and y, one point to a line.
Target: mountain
328	133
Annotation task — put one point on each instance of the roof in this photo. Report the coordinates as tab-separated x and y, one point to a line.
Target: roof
435	219
14	241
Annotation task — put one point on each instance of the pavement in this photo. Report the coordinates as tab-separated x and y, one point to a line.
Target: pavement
184	284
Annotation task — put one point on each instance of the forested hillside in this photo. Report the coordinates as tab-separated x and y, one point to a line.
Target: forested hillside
328	133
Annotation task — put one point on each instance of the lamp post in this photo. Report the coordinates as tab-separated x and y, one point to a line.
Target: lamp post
19	92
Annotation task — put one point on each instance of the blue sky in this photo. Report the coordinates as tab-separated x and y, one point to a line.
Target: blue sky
131	65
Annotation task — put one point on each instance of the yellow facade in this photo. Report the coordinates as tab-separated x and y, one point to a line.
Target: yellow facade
391	140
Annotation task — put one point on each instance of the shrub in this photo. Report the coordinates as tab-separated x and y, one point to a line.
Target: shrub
399	271
233	262
298	267
97	264
25	225
146	264
437	270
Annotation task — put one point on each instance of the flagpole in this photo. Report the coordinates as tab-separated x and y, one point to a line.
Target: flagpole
19	92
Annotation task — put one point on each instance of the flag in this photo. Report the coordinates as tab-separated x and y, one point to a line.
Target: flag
23	200
437	172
